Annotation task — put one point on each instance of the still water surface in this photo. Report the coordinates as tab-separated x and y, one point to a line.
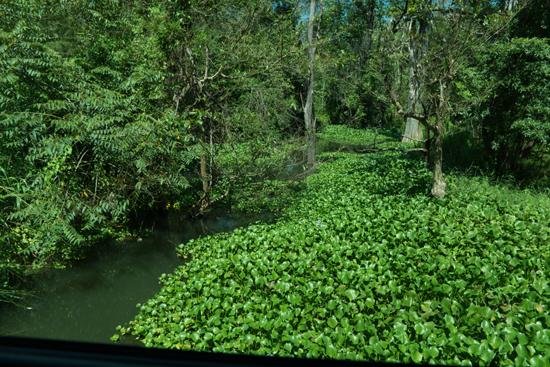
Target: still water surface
87	301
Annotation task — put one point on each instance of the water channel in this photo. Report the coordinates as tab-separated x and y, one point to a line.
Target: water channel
87	301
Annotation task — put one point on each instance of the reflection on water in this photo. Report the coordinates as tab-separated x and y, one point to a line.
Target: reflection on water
323	146
87	302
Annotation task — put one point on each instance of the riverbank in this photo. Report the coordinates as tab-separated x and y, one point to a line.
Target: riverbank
365	265
86	301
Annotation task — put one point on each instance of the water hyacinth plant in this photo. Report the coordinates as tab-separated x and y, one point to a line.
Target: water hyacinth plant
364	265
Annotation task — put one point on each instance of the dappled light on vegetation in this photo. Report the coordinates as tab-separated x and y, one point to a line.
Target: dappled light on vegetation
397	149
364	265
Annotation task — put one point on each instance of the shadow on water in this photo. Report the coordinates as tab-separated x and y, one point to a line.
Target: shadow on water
87	301
325	146
296	165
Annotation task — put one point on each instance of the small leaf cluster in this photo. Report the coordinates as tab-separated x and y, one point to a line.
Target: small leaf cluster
364	265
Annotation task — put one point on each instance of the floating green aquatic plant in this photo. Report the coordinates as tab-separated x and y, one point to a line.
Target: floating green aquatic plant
364	265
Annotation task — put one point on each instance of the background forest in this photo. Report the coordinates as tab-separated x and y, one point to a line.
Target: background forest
109	108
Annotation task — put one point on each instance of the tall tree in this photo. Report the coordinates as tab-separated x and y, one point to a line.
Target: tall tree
310	121
367	10
517	117
84	129
418	29
458	31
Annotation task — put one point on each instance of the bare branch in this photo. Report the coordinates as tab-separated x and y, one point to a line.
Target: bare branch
376	150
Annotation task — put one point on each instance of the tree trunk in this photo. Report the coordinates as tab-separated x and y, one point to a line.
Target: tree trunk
413	128
427	144
203	173
413	131
438	184
367	8
308	110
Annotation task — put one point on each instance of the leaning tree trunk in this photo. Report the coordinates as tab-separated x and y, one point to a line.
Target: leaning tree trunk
510	4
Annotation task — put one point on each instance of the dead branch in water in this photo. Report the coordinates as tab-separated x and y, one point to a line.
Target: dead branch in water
204	203
365	151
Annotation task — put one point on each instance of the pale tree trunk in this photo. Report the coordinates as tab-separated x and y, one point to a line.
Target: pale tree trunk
309	121
438	183
367	9
413	128
308	110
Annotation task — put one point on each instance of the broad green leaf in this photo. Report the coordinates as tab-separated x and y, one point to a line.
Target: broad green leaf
522	351
331	351
416	356
351	294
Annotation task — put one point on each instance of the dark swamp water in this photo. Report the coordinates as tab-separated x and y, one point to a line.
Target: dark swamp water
89	300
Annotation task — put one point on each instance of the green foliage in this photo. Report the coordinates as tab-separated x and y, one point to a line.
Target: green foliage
498	191
518	112
533	21
364	265
9	272
513	120
465	151
101	111
346	67
81	135
519	107
343	134
258	155
265	195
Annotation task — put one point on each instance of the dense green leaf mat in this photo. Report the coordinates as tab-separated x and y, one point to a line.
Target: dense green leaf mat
365	265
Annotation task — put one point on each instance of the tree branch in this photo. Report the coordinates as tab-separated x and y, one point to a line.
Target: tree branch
376	150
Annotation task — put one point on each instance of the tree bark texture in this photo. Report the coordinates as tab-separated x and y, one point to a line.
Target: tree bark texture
413	128
308	110
367	8
438	184
203	173
511	4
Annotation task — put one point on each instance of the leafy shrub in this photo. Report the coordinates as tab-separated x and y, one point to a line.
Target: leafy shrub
462	151
517	116
82	141
364	265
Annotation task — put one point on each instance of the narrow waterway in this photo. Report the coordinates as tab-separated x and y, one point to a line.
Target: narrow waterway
87	301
